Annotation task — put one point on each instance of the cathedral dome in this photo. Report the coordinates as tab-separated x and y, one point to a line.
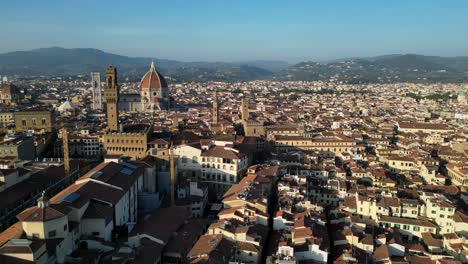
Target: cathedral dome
9	89
152	80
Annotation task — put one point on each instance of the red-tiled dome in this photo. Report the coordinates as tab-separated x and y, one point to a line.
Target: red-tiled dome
152	79
9	89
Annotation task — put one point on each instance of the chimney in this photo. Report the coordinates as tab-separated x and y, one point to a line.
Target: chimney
172	172
66	153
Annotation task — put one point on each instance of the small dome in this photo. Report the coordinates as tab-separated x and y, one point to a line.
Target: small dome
152	79
67	106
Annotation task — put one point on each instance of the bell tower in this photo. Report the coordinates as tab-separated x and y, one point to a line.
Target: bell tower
215	108
245	109
111	93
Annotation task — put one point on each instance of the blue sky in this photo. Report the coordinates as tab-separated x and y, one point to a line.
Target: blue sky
238	30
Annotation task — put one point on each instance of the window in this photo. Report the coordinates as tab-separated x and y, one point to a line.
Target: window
416	228
65	227
23	122
52	233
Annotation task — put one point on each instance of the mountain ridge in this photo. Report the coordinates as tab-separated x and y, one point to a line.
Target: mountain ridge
385	68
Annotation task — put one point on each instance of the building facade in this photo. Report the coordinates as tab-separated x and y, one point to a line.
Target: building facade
38	120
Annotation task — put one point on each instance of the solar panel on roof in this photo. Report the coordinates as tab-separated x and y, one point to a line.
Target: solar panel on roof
129	165
126	171
72	197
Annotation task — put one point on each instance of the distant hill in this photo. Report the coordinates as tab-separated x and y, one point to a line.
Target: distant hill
60	61
387	68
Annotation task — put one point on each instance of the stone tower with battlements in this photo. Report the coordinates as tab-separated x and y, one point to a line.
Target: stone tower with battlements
111	93
245	109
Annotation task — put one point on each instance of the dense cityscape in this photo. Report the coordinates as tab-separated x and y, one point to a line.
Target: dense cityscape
96	169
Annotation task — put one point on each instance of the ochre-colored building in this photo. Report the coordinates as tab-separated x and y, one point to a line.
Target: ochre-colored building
132	141
33	119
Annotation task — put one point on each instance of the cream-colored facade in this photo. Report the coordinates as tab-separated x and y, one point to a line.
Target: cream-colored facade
21	148
221	173
411	229
442	213
6	118
398	163
336	144
189	163
458	174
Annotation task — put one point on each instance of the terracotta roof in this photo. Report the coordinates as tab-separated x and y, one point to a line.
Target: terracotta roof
14	231
411	125
430	240
9	89
152	80
22	246
222	152
162	223
36	214
381	253
460	217
213	247
245	246
99	211
408	221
